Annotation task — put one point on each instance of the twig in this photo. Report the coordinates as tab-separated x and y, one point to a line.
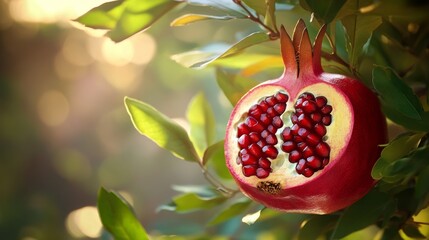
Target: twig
227	192
273	33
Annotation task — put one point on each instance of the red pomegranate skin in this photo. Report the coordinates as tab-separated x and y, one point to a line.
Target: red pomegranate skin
346	178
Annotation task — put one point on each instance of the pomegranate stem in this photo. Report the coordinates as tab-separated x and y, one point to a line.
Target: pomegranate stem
227	192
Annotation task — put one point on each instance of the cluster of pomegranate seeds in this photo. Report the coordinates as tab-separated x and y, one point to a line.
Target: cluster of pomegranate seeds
304	139
257	135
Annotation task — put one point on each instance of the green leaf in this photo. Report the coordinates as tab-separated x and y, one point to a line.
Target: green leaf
395	93
190	202
412	231
422	188
231	211
251	218
396	149
214	156
204	57
160	129
202	123
324	10
191	18
226	6
126	17
233	86
359	29
363	213
270	14
260	7
317	226
118	218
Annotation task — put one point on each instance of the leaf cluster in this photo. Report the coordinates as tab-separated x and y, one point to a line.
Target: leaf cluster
382	43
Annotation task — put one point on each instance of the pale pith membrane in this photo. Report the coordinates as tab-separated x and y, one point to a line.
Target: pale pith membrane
262	133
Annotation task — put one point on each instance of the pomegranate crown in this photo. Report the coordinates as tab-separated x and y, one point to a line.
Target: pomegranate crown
299	56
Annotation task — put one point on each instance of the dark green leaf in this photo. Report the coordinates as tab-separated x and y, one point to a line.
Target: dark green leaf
412	231
317	226
363	213
204	57
118	218
395	93
231	211
160	129
202	122
191	18
126	18
233	86
411	124
324	10
359	29
422	188
396	149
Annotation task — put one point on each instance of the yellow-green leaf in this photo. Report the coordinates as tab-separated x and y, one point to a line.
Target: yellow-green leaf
191	18
160	129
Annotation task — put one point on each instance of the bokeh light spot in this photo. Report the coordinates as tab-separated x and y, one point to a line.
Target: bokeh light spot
118	54
84	222
53	108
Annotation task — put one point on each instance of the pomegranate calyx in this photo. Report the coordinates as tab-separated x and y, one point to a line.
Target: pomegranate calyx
299	56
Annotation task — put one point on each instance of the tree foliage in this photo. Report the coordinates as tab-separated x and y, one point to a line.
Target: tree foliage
382	43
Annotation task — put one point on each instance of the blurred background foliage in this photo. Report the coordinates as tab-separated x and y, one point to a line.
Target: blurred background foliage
64	131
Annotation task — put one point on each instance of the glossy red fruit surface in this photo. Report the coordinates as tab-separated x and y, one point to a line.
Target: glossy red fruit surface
305	142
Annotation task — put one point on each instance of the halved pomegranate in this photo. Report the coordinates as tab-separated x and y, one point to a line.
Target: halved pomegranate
305	142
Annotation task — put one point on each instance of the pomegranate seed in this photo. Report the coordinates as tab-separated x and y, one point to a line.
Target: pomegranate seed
277	122
271	100
263	105
261	143
303	121
262	173
326	109
298	139
298	103
271	139
255	113
309	106
294	118
271	112
242	129
249	170
300	166
279	108
327	120
264	163
307	96
288	146
248	159
320	129
325	161
303	132
308	172
307	152
323	149
321	101
265	133
242	152
301	146
253	124
281	97
254	137
287	134
244	141
299	111
270	151
271	129
317	117
294	156
314	162
294	129
313	139
265	119
255	149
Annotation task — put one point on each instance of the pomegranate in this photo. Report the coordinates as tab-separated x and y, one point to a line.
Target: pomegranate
307	141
